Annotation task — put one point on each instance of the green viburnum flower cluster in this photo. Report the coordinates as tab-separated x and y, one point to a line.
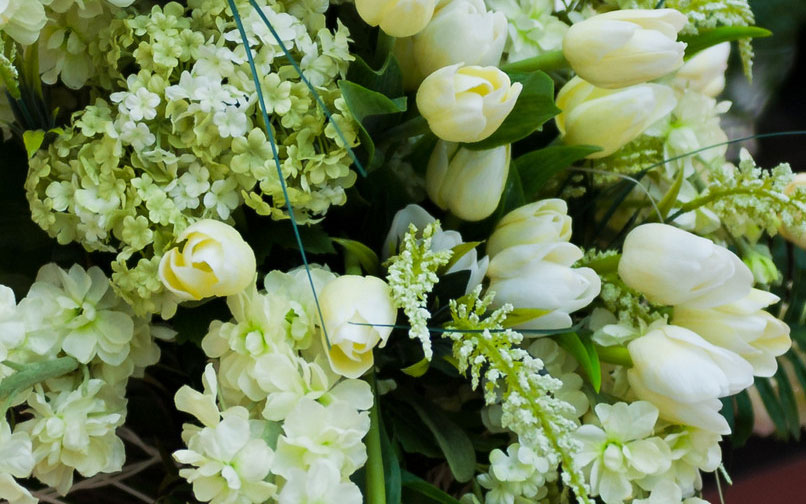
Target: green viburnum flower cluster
180	139
412	275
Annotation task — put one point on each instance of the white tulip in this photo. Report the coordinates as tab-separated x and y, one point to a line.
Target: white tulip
461	31
793	231
358	313
609	118
625	47
544	221
215	261
684	376
705	72
22	20
540	275
442	240
674	267
742	327
469	183
398	18
466	103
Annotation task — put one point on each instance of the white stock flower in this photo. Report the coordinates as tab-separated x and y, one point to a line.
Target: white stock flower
543	221
398	18
321	484
80	309
466	103
461	31
666	492
625	47
519	473
684	376
442	240
215	261
674	267
75	429
742	327
314	432
467	182
12	327
358	313
705	72
609	118
231	461
693	450
17	462
622	450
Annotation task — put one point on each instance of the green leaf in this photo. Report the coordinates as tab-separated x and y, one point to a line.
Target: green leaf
417	369
534	107
452	440
513	196
538	167
387	80
744	419
520	316
36	373
426	489
789	405
458	252
772	404
707	38
391	469
365	255
33	140
369	108
585	354
670	198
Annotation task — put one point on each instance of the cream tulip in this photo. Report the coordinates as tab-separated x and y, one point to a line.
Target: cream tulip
358	313
705	72
539	275
22	20
609	118
215	261
461	31
398	18
742	327
793	232
684	376
544	221
670	266
625	47
466	103
468	183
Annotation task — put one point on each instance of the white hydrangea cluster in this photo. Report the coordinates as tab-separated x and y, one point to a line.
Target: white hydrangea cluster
69	419
299	425
180	139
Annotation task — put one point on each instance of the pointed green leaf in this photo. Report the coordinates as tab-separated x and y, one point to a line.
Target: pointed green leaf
744	419
789	405
534	107
365	255
391	469
417	369
670	198
426	489
387	80
520	316
538	167
585	354
33	141
772	404
707	38
458	252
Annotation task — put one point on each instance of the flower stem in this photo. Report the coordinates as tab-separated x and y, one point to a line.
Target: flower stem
375	484
614	355
553	60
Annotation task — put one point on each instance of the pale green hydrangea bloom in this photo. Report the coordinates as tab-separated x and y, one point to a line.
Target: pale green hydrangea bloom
321	484
181	139
532	29
17	462
517	476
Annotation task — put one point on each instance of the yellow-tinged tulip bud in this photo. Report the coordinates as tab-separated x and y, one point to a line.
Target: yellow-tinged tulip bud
215	261
349	304
462	31
468	183
398	18
544	221
609	118
625	47
705	72
466	104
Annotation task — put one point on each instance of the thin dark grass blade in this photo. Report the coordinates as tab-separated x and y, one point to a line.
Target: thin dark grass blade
267	126
440	330
316	96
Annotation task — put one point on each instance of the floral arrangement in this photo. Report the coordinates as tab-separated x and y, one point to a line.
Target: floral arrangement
386	251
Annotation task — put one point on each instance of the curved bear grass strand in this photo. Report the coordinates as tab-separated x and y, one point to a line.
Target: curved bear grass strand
267	127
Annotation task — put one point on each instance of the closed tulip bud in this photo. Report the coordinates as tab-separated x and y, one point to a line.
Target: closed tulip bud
670	266
742	327
684	376
466	103
398	18
215	261
794	231
625	47
705	72
462	31
358	313
22	20
540	276
468	183
609	118
544	221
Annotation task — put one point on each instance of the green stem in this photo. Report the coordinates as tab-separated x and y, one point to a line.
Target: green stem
554	60
708	198
36	373
376	486
614	355
352	266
